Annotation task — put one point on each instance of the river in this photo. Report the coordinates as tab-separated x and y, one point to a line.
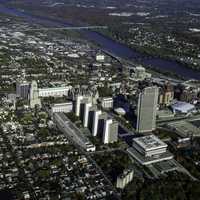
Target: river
108	44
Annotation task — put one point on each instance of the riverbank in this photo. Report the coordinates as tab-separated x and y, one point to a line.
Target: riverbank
109	44
150	55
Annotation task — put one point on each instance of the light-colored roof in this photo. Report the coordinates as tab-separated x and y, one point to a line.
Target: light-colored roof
150	142
54	89
120	111
182	106
62	104
107	99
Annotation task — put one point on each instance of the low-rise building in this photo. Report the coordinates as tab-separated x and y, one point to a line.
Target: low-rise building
149	149
62	107
100	57
124	179
106	102
180	107
54	91
140	73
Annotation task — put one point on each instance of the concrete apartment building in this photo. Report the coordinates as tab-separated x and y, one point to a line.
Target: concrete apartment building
125	178
110	131
96	116
87	107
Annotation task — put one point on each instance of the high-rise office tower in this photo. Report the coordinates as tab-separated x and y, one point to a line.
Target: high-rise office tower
146	110
34	96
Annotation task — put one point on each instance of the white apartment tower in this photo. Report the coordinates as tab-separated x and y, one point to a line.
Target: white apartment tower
86	114
110	132
106	131
78	105
95	122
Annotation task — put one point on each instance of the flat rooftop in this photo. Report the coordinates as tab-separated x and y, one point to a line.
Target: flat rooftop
55	88
150	142
62	104
182	106
185	128
149	160
162	167
73	128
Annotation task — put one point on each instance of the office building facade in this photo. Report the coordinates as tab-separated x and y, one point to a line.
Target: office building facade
146	110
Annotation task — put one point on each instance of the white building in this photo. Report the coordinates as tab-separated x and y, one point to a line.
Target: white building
140	73
107	102
110	131
100	57
54	92
72	132
62	107
149	145
124	179
78	105
97	113
86	114
149	149
106	131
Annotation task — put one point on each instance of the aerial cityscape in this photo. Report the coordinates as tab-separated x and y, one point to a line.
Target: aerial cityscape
99	100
